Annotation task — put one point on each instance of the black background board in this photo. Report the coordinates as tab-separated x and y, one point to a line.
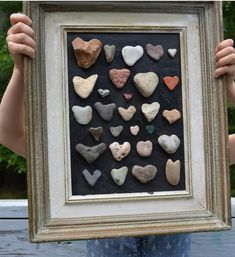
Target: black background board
166	66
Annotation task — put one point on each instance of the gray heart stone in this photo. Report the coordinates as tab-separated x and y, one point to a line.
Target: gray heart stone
119	175
91	179
90	153
83	115
105	110
96	132
103	92
169	143
109	51
144	174
116	131
155	52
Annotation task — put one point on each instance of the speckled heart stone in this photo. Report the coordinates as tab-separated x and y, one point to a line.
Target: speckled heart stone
146	83
169	143
171	82
116	131
173	172
109	51
131	54
150	111
84	87
172	52
119	175
119	77
90	153
120	151
144	174
103	92
171	115
86	52
155	52
82	115
144	148
105	110
128	113
96	132
134	130
91	178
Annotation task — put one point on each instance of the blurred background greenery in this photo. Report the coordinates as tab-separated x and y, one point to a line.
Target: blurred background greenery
12	167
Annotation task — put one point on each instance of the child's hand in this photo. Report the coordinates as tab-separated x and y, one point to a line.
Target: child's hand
20	39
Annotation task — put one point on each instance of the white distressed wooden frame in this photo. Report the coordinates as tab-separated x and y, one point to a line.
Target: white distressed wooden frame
204	204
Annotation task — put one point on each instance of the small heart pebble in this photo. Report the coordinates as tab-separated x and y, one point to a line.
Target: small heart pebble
150	111
86	52
146	83
172	52
116	131
119	77
169	143
91	179
128	113
128	96
96	132
105	110
144	148
103	92
155	52
134	130
84	87
109	51
171	115
83	115
150	129
173	172
120	151
119	175
131	54
144	174
171	82
90	153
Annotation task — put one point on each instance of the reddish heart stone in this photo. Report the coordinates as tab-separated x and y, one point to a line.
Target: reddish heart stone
119	77
171	82
128	96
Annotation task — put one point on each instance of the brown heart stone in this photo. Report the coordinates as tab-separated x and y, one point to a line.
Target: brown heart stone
173	172
86	52
172	115
171	82
144	174
119	77
155	52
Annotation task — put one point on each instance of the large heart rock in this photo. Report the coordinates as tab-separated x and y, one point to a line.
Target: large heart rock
144	174
119	175
120	151
171	115
91	178
128	113
169	143
150	110
86	52
109	51
146	83
105	110
83	115
84	87
144	148
173	172
171	82
131	54
155	52
90	153
119	77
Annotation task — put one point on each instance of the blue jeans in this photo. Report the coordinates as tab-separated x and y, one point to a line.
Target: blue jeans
148	246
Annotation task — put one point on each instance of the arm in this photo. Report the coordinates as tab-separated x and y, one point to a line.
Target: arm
20	42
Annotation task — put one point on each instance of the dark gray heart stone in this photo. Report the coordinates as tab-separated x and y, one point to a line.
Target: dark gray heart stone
91	179
105	110
96	132
109	51
116	131
90	153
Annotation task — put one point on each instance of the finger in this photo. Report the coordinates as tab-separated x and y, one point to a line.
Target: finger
224	44
224	52
224	70
227	60
20	17
19	49
21	28
21	38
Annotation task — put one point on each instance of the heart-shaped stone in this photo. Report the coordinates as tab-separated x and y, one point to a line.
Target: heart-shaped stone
105	110
144	174
120	151
155	52
119	77
119	175
150	129
131	54
134	130
96	132
103	92
128	96
116	131
128	113
171	82
90	153
146	83
173	172
172	52
171	115
109	51
144	148
84	87
91	179
86	52
169	143
150	111
83	115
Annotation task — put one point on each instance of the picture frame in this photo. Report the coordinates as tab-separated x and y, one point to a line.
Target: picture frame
57	210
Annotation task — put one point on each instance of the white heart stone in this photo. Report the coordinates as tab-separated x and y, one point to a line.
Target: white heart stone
146	83
84	87
83	115
134	130
119	175
103	92
150	111
172	52
169	143
128	113
120	151
131	54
